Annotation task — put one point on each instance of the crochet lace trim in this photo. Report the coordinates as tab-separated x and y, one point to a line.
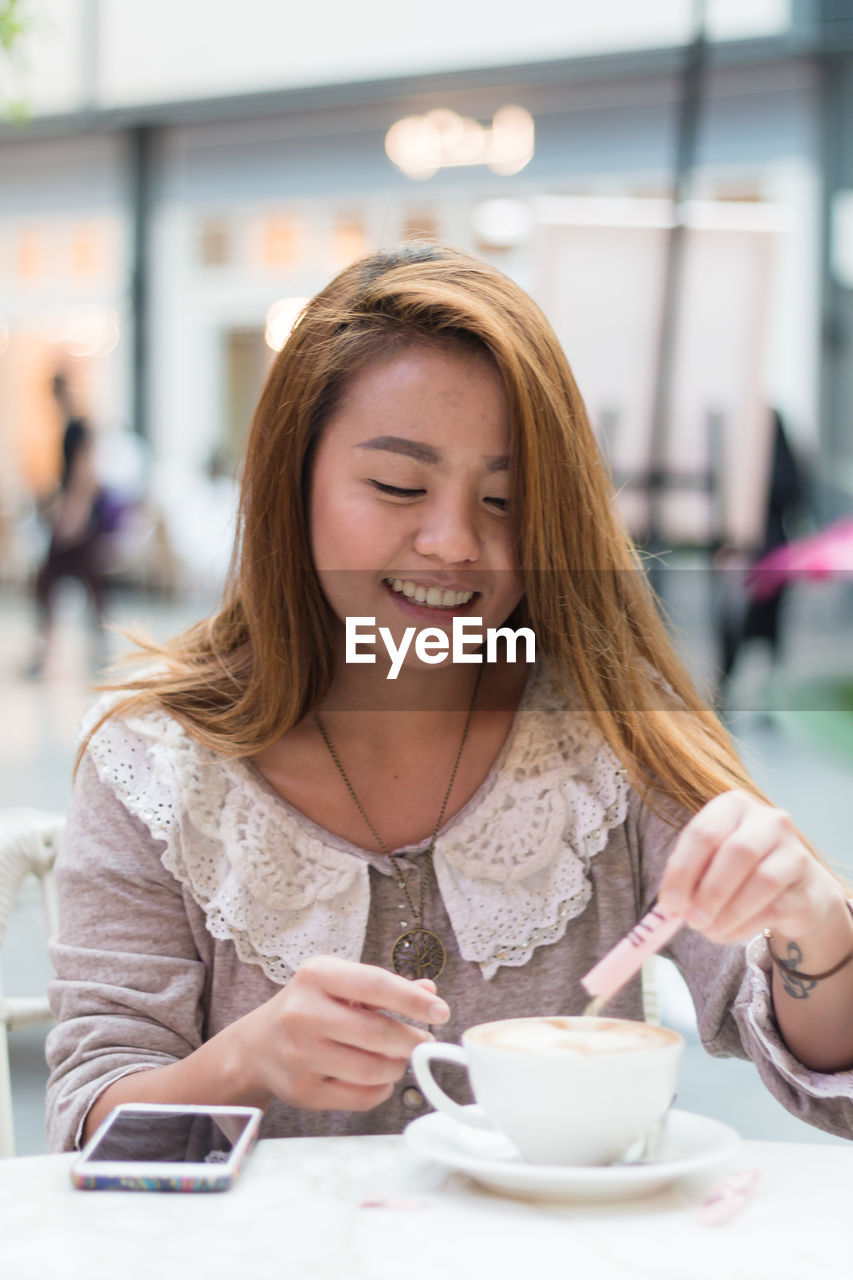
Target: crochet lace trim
511	866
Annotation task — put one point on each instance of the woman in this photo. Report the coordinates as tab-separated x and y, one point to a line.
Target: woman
269	837
75	514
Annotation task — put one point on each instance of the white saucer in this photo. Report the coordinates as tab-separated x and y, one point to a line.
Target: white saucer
692	1143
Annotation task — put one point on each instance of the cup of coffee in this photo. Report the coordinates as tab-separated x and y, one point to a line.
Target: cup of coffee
575	1091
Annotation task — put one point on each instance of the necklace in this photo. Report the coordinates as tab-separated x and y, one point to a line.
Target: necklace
418	952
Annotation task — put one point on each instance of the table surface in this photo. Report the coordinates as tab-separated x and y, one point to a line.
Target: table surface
335	1208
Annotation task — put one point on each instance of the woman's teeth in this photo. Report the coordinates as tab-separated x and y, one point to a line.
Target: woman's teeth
435	597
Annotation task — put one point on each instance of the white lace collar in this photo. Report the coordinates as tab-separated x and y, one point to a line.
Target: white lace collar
511	865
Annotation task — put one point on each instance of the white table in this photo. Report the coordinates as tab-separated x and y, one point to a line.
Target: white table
299	1211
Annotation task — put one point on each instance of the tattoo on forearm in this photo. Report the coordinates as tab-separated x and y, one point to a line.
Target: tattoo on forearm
792	984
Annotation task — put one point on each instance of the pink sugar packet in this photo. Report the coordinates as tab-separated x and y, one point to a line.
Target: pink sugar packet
728	1197
619	965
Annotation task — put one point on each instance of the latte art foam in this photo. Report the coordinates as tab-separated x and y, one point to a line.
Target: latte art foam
554	1035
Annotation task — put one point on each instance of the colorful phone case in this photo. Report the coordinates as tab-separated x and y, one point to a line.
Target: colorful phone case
87	1180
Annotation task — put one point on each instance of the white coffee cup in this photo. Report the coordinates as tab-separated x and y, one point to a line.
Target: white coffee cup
564	1090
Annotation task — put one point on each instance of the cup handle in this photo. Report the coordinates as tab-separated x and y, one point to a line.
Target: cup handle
422	1055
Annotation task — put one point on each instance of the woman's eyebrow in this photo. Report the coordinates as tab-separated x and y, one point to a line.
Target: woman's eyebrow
399	444
424	452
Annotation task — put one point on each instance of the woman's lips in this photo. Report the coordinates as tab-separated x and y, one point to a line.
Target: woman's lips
436	594
431	613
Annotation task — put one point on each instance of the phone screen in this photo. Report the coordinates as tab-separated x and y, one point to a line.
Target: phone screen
170	1137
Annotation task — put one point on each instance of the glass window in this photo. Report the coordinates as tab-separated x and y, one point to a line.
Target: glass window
32	254
282	242
420	225
214	242
349	241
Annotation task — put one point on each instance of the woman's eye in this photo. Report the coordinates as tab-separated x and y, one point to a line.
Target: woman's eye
502	504
395	491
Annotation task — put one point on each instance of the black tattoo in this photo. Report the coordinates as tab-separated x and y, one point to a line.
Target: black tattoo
792	983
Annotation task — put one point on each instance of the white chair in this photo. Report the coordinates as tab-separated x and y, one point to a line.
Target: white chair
28	845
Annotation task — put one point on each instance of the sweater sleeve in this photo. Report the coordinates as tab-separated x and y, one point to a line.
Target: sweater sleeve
732	994
127	992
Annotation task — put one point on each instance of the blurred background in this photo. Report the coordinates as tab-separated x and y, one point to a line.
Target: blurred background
671	181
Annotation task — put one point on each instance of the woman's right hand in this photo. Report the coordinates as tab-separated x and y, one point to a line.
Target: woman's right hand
328	1041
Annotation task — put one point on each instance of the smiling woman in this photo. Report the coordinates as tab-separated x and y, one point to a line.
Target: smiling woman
427	508
267	840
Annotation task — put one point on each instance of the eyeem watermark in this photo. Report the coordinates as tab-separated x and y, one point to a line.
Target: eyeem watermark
433	645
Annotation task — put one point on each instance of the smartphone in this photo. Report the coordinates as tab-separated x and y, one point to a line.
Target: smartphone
148	1146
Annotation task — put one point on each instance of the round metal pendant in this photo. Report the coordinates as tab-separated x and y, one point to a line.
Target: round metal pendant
417	953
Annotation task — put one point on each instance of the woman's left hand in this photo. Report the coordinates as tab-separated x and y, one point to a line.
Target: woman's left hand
739	867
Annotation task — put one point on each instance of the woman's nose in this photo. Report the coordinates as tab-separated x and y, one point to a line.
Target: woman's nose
449	532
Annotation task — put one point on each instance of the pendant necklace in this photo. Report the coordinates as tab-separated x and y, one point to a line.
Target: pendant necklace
418	952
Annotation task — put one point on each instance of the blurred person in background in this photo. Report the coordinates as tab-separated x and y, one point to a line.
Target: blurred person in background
753	618
77	518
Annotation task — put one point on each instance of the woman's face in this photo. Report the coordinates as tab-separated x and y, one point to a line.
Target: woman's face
409	494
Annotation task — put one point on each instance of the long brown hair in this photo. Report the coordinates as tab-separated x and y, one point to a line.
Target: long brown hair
255	668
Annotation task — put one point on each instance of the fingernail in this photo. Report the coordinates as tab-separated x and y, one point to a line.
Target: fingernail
438	1011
